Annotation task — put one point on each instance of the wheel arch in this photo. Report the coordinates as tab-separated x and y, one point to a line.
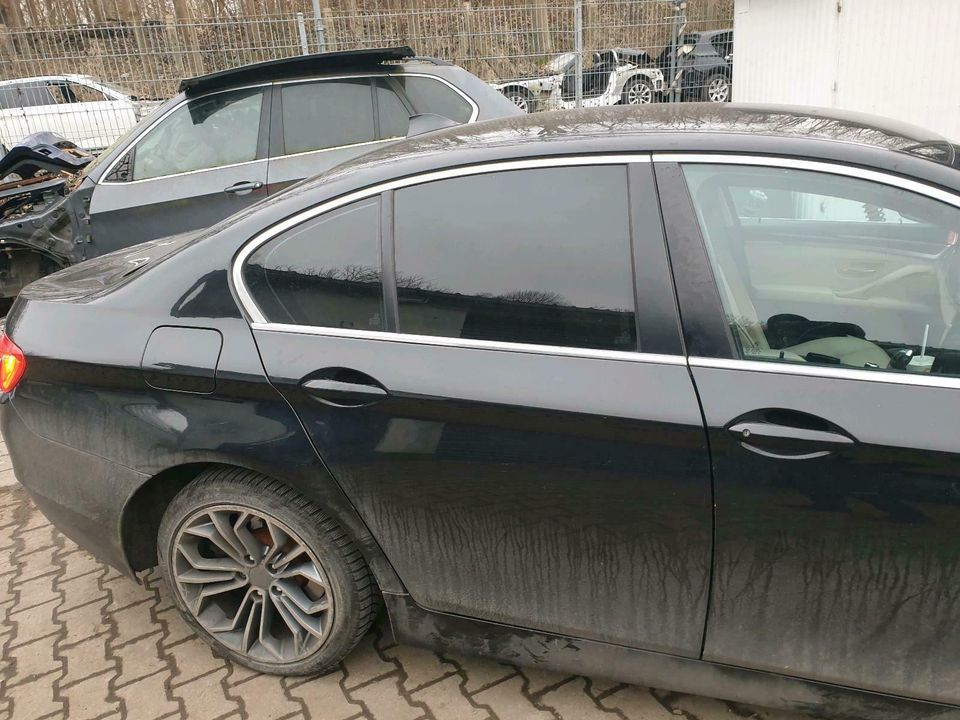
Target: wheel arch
142	513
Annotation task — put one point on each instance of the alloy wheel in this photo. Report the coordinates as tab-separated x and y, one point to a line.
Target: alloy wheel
253	584
639	94
520	100
718	90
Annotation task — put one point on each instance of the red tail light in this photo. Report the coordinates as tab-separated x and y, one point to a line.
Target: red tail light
12	364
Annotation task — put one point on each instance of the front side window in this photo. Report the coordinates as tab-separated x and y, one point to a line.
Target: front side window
208	132
832	270
324	272
327	114
537	256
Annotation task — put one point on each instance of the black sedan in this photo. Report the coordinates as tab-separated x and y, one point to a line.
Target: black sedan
585	390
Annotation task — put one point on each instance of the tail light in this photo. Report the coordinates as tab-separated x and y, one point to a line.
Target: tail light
12	364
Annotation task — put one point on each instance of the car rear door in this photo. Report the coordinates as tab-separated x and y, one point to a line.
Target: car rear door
835	455
41	110
202	161
524	445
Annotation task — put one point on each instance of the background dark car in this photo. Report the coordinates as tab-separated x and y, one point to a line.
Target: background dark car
711	448
232	138
704	67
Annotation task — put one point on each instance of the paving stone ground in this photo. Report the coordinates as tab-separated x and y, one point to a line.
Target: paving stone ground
79	640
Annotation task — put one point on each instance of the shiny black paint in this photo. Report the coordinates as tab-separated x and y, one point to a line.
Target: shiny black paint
102	451
539	491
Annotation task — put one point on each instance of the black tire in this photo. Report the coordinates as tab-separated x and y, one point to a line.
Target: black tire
711	89
637	91
521	97
347	579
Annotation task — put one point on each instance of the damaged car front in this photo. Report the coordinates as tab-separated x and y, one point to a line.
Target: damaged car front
43	204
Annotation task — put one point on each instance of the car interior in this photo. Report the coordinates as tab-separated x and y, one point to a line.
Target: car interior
832	270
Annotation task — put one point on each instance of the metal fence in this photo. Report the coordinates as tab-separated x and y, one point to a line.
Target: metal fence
124	66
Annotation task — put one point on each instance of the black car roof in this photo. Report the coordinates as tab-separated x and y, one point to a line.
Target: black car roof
730	127
340	61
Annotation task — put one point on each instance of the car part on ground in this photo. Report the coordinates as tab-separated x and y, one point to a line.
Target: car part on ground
228	140
403	345
36	233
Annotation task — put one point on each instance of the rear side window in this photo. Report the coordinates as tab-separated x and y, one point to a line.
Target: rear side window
537	256
324	272
430	95
36	95
327	114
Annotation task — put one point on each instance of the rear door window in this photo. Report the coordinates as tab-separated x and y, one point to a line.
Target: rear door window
538	256
324	272
327	114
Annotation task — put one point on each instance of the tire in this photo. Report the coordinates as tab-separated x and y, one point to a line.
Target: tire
716	88
318	575
637	91
522	98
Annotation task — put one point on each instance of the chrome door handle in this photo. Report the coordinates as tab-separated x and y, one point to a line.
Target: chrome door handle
244	188
798	437
344	394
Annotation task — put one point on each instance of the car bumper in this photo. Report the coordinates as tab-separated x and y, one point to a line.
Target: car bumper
76	491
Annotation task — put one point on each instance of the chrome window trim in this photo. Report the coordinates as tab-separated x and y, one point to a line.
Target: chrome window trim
249	304
824	166
834	373
153	126
276	158
469	344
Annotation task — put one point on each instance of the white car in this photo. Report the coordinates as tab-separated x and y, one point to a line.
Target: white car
616	76
90	113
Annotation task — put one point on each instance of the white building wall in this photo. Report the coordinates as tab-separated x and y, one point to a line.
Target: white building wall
896	58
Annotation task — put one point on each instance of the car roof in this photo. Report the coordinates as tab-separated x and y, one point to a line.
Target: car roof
661	128
40	78
316	63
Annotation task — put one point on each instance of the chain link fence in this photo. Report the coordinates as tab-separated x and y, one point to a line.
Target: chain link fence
90	72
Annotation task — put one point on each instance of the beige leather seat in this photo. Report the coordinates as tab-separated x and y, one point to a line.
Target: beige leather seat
743	317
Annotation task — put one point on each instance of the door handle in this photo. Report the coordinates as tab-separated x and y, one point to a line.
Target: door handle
788	435
244	187
344	394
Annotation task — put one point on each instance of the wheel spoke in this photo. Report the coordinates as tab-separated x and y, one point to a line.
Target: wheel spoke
250	544
221	521
202	577
280	539
265	631
210	532
298	597
191	554
239	617
251	627
312	625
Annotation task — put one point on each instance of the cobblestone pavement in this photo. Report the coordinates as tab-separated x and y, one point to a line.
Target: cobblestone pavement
79	640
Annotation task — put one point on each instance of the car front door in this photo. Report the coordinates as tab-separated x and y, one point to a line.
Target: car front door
482	396
830	382
202	161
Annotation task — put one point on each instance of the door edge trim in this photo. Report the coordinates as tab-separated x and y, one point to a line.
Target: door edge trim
469	344
785	368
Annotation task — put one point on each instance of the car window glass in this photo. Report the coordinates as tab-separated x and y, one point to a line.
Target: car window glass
531	256
832	270
35	95
429	95
324	272
327	114
209	132
9	99
394	116
77	93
